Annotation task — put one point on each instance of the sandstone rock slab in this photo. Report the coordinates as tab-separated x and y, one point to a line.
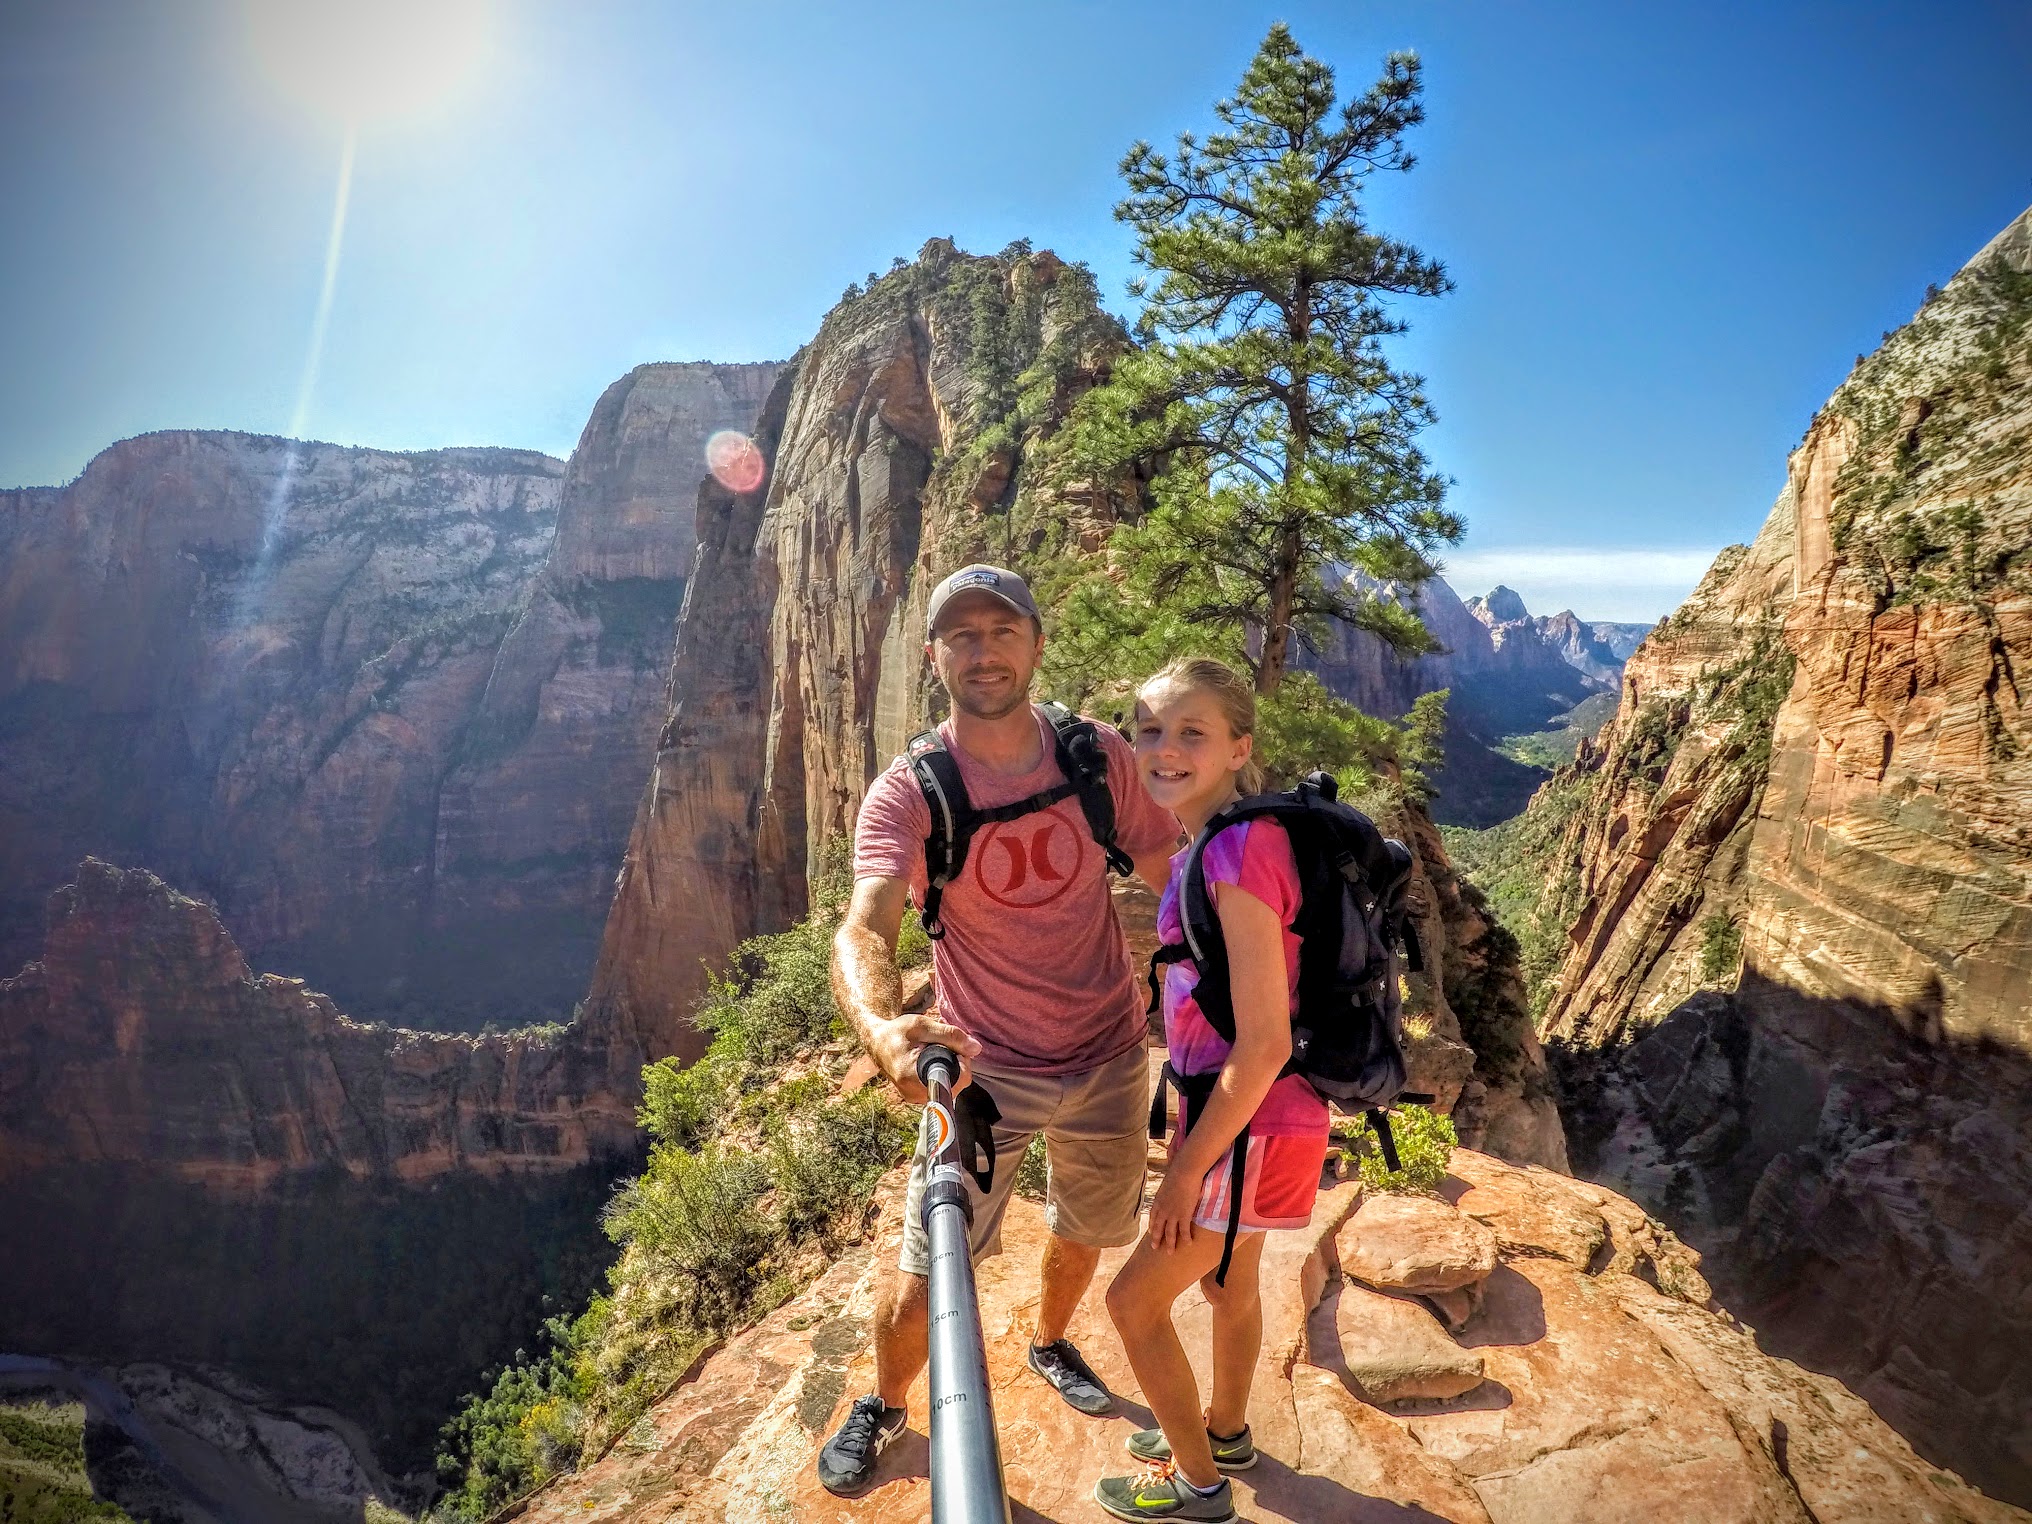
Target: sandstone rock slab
1387	1348
1415	1243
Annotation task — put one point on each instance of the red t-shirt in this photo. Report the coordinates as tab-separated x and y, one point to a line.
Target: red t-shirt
1032	963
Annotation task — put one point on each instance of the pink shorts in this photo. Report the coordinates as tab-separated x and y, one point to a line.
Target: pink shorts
1280	1177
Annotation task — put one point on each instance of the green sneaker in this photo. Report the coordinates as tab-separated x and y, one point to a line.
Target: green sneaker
1235	1454
1158	1492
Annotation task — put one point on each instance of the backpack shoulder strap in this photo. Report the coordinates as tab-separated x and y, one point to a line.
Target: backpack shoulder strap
1204	942
953	821
1201	924
1084	761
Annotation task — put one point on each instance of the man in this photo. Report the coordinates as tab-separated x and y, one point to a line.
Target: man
1035	991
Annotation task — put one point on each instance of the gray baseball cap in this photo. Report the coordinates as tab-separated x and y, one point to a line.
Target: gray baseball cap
995	580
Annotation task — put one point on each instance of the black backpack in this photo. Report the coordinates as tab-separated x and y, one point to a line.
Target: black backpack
954	820
1355	937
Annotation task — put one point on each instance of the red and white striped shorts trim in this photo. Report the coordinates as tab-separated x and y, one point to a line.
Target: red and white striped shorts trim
1280	1178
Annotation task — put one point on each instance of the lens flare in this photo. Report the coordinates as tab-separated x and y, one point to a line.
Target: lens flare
365	61
734	461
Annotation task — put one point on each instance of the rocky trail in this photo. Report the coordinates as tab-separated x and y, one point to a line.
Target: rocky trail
1588	1377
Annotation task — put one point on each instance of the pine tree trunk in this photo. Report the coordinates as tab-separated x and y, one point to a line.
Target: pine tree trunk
1290	554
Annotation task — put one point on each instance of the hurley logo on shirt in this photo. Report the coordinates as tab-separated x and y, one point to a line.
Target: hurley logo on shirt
1027	862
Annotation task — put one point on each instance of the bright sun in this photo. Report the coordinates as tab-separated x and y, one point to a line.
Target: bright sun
368	60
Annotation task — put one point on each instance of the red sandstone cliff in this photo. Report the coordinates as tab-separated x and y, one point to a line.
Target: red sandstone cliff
1824	759
387	709
141	1037
895	455
1586	1376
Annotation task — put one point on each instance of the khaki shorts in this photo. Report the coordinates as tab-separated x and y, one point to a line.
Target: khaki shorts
1095	1127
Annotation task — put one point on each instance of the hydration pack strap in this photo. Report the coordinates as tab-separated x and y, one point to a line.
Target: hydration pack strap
974	1117
1167	953
1194	1091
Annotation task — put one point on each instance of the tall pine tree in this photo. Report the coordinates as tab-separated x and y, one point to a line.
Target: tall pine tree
1285	440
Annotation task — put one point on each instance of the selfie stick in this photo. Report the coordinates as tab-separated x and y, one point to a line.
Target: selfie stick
966	1455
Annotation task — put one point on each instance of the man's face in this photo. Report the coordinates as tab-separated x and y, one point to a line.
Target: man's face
984	653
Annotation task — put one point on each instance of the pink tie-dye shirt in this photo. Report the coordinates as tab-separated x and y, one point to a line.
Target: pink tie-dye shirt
1255	857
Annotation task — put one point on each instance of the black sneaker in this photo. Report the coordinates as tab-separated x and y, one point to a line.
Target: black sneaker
846	1466
1060	1364
1235	1454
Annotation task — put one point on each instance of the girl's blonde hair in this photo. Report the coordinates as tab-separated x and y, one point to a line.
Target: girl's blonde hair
1229	690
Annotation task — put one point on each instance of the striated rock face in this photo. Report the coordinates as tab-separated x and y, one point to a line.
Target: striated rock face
386	709
1822	772
142	1038
895	456
1593	1394
533	817
1468	1025
248	662
1863	655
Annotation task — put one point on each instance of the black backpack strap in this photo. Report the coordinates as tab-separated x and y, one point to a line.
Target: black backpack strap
1238	1156
1204	942
1167	953
1194	1091
1379	1122
1414	955
974	1117
1084	761
953	821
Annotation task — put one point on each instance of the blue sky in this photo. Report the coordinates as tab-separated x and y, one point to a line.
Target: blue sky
1672	226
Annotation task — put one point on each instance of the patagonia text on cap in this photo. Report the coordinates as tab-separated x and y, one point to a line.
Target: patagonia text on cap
996	580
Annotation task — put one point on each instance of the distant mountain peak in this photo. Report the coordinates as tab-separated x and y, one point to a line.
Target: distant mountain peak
1504	605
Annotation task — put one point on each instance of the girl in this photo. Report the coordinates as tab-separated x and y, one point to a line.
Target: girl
1194	738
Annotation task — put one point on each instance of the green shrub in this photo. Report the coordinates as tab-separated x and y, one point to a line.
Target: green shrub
517	1436
825	1164
683	1104
1033	1172
1721	948
1425	1141
43	1479
696	1217
777	996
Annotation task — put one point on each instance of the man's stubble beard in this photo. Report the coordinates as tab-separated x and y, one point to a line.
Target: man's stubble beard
1020	700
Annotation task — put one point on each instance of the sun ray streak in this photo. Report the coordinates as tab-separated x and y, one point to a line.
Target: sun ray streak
334	242
254	590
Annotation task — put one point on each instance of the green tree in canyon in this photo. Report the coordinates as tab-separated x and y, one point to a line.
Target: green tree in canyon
1285	439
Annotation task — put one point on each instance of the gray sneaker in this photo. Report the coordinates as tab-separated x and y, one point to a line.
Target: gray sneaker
1158	1492
846	1466
1235	1454
1060	1364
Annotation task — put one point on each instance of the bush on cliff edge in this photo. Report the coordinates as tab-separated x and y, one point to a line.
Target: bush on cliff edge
758	1173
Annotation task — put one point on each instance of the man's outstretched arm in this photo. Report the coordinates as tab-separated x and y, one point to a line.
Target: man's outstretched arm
868	988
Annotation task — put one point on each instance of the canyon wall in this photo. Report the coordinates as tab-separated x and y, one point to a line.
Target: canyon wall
387	710
142	1037
898	450
1820	783
206	1166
